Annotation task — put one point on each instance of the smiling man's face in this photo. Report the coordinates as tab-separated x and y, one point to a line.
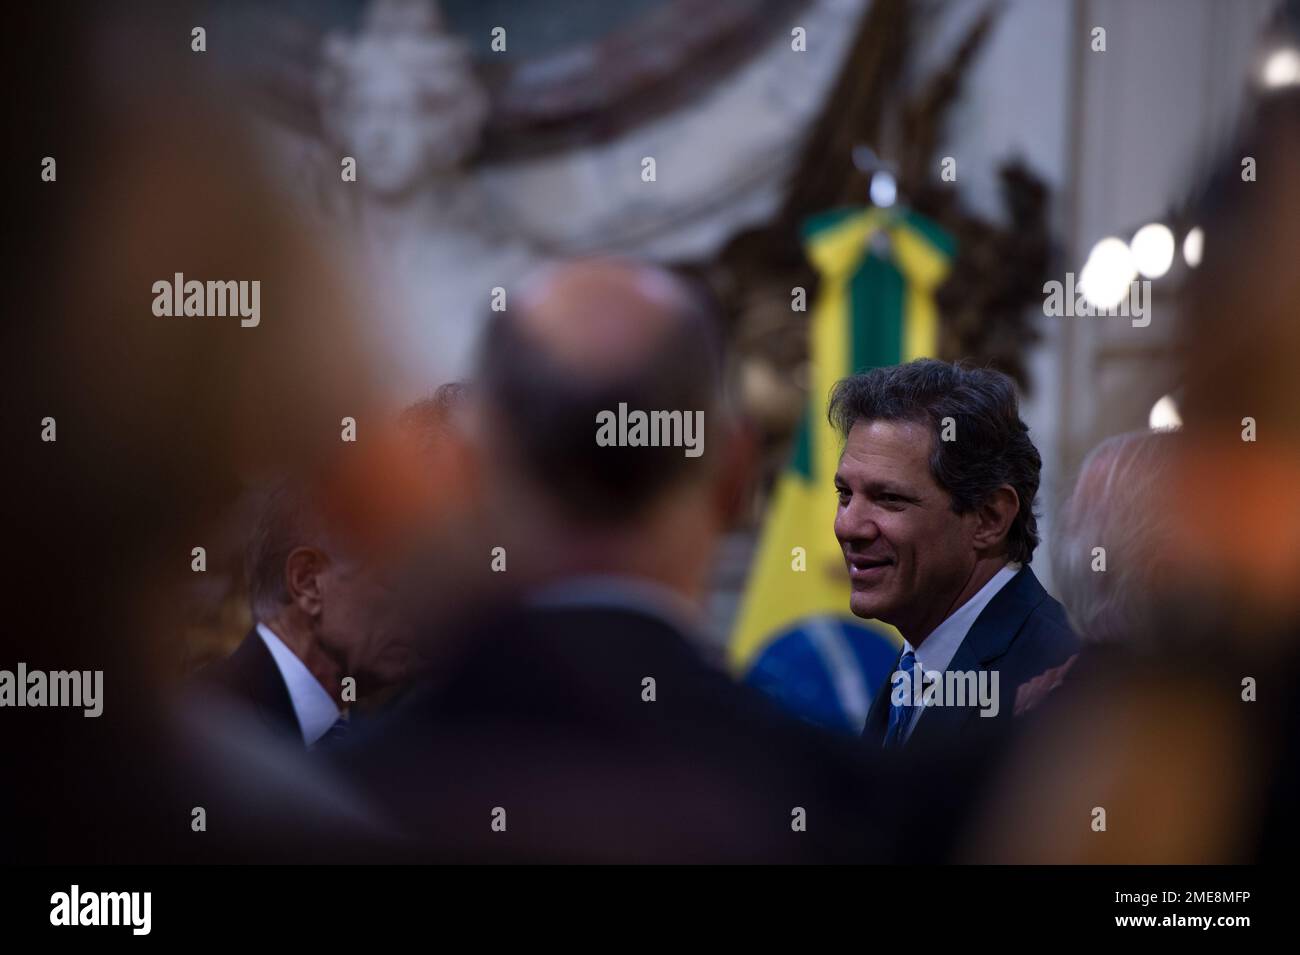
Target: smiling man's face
908	555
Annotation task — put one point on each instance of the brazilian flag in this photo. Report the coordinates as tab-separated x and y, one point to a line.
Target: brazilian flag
794	636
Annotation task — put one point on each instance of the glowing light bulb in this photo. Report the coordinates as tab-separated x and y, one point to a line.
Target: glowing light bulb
1105	277
1193	246
1153	250
1164	415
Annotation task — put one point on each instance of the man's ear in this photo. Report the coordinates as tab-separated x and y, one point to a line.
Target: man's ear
303	569
993	518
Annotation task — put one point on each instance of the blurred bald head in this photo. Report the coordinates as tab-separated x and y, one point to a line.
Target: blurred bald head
607	317
583	338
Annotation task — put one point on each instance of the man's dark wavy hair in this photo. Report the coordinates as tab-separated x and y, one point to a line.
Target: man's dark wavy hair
991	445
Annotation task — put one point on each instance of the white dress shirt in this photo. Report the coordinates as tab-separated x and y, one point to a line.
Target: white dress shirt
315	709
938	649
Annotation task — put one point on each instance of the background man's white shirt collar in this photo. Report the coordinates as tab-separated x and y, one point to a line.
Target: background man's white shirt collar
315	709
938	649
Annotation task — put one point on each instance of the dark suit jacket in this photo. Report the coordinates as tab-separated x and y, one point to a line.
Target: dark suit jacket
1022	632
251	677
544	717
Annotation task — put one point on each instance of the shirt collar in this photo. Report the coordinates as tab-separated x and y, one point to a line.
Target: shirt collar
938	649
315	709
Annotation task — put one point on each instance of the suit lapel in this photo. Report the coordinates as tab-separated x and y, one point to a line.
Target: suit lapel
255	676
946	721
994	629
873	730
989	637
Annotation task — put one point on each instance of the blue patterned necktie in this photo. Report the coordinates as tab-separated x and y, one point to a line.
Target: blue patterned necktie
336	733
900	716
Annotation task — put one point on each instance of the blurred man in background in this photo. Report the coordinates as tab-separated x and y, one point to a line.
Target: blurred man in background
936	492
1188	754
1110	552
161	422
322	614
583	723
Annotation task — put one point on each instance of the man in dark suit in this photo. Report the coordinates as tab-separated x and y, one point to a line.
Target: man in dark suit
936	488
583	721
327	627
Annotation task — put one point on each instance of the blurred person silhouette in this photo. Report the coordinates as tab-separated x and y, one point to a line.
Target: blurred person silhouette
937	531
444	582
583	723
127	434
1119	504
1193	751
438	421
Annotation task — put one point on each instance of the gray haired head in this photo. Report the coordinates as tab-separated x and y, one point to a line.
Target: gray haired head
1119	503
